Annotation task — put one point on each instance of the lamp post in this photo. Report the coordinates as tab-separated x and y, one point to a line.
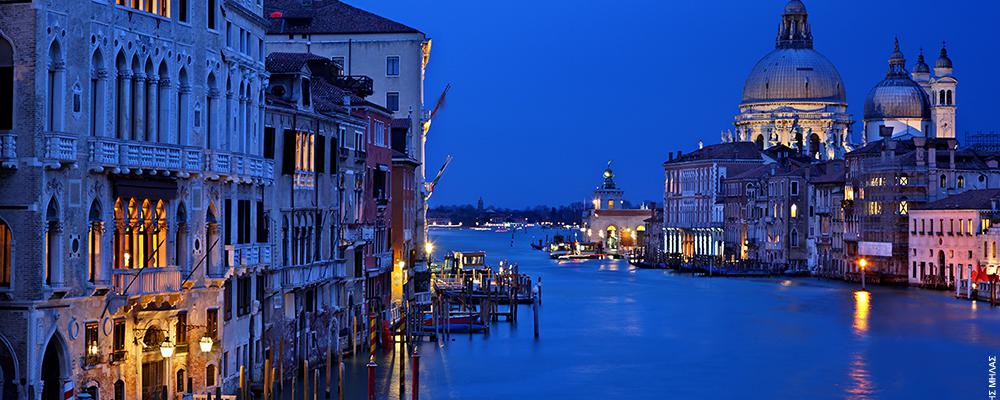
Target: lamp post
863	264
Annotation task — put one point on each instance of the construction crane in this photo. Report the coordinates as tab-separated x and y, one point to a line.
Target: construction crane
437	107
429	186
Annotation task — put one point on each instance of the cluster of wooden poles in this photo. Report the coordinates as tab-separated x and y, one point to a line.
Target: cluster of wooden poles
485	293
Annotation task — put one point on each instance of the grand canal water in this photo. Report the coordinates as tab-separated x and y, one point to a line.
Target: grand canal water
609	331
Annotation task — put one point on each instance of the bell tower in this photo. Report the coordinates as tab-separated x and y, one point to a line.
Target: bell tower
608	196
942	95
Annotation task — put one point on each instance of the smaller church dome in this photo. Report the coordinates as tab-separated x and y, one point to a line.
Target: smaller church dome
795	7
898	95
921	66
943	61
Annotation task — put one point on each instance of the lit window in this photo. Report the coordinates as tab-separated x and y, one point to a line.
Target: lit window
904	208
5	248
794	212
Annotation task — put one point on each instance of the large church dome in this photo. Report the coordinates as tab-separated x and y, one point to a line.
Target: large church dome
794	72
790	74
898	95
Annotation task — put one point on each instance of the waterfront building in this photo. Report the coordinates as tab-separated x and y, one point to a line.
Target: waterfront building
316	286
617	229
404	206
377	215
794	96
392	56
692	196
132	221
825	242
764	211
886	178
952	237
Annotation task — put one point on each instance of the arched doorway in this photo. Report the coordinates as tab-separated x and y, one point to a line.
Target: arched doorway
814	145
53	371
612	238
8	371
941	265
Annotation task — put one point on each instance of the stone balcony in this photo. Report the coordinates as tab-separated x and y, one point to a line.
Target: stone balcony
60	147
150	281
239	166
249	255
307	274
8	150
124	156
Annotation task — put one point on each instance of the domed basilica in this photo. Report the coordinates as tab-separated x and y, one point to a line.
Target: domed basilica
794	96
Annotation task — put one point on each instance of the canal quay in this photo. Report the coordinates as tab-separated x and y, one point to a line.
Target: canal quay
608	330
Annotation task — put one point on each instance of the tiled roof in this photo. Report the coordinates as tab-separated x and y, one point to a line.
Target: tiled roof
327	16
980	199
829	172
401	123
722	151
284	63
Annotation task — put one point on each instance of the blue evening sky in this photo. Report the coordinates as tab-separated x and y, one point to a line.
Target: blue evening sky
544	92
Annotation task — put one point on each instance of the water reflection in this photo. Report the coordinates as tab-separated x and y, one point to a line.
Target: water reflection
862	306
860	377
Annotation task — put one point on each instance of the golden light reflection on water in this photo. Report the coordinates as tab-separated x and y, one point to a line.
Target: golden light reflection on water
862	306
861	379
858	372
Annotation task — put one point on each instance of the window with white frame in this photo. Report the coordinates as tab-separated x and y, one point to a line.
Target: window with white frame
392	66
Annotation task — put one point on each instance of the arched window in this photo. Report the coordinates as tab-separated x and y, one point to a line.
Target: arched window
210	98
961	182
210	375
950	102
135	95
183	89
795	238
54	91
122	84
941	98
794	211
162	101
94	239
944	181
119	390
97	76
6	85
148	104
6	246
180	381
53	245
180	238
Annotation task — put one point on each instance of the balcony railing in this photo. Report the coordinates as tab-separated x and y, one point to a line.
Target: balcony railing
128	154
307	274
343	152
8	150
60	147
249	254
360	156
218	162
360	85
150	281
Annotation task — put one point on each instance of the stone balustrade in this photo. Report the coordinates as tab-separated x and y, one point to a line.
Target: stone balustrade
249	254
130	154
146	281
60	147
8	150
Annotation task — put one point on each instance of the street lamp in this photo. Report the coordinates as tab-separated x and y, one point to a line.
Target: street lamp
863	264
206	344
166	349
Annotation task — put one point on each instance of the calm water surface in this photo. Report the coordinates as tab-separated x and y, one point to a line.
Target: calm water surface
609	331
